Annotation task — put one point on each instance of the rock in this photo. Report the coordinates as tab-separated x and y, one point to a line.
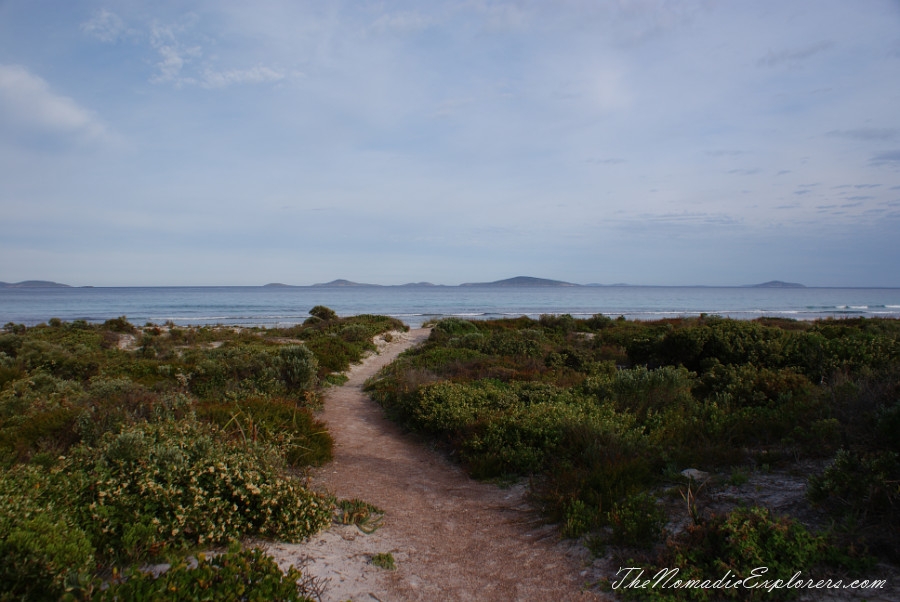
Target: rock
694	474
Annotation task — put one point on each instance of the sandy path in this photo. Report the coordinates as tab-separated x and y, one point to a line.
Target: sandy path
452	538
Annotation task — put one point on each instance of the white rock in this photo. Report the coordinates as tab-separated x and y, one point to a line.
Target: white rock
694	474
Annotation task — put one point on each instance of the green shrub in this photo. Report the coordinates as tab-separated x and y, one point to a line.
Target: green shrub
120	324
323	313
452	327
237	575
191	487
42	548
861	491
303	440
735	545
637	521
355	333
299	367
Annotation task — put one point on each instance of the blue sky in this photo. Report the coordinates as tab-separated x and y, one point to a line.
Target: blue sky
642	141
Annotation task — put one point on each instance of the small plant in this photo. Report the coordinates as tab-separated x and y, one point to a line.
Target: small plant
690	499
384	560
367	517
738	477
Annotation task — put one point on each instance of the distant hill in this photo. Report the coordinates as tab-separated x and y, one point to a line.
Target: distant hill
522	281
418	284
278	285
33	284
343	283
776	284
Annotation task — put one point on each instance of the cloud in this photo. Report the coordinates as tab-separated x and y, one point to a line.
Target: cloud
891	156
104	26
28	105
180	62
173	56
257	75
877	134
792	57
402	22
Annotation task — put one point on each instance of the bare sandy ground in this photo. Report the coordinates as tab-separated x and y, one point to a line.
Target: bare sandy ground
452	538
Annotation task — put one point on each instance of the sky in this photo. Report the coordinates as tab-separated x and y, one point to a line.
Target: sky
640	141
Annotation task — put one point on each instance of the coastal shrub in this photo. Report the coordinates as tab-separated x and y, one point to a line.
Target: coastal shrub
861	492
452	327
120	324
42	548
299	368
355	333
887	426
250	575
10	344
527	343
240	371
112	403
334	354
304	441
639	390
448	407
175	485
37	414
734	545
598	461
323	313
516	441
54	358
637	521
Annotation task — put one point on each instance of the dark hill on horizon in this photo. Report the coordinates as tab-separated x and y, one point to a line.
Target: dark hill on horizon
33	284
777	284
518	281
522	281
344	283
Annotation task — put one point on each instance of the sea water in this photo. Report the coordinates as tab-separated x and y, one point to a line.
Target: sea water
285	306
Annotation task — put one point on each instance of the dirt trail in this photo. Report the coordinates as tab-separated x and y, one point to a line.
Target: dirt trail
452	538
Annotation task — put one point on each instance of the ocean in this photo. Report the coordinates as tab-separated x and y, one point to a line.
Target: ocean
285	306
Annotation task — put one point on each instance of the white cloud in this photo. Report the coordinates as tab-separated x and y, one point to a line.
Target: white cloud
27	103
173	56
257	75
402	22
182	62
104	26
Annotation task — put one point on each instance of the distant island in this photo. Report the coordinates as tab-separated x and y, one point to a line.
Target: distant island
522	281
776	284
518	281
33	284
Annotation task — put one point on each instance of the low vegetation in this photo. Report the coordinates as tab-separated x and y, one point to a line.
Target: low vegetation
602	415
121	445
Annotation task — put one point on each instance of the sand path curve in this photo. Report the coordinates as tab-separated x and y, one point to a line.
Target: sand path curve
452	538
